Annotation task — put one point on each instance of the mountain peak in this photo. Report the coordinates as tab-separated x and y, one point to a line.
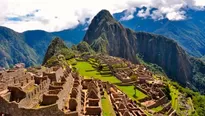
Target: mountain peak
101	21
54	48
104	14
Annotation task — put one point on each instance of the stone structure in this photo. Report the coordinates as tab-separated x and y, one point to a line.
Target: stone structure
39	92
92	97
122	104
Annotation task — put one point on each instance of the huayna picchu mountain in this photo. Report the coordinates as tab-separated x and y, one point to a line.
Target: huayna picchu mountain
157	49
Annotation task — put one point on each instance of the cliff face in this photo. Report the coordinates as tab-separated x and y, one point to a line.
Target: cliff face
167	54
126	43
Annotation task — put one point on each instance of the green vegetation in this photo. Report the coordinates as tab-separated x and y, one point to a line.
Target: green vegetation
129	91
157	109
57	53
72	61
174	95
107	106
100	44
85	69
152	67
198	100
195	100
84	47
167	91
199	72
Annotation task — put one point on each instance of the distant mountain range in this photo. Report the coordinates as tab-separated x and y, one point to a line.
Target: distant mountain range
30	46
188	33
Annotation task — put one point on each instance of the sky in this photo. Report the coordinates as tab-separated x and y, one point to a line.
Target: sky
57	15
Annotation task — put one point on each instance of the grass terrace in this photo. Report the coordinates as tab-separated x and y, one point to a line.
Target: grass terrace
129	90
174	94
85	69
107	106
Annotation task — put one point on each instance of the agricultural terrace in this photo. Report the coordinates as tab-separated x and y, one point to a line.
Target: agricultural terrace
87	70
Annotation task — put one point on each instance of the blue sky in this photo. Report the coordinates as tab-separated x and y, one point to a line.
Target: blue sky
56	15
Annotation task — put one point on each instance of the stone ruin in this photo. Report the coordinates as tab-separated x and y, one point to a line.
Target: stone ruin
33	93
143	81
123	106
91	97
54	91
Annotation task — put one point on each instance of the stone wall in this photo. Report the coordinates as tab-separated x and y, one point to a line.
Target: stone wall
12	109
64	93
59	74
142	90
49	99
35	96
161	101
145	99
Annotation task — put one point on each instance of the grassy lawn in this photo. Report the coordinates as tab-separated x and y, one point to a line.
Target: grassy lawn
129	90
85	69
107	106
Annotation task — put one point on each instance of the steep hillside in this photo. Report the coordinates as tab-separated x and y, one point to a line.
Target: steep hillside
30	47
39	41
13	49
152	48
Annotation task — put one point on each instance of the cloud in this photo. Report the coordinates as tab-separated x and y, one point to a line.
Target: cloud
56	15
144	12
129	14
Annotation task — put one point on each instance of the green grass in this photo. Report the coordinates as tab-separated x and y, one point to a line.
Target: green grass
157	109
191	104
72	61
107	106
129	91
85	69
174	94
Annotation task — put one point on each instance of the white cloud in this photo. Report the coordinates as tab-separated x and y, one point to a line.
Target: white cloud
56	15
144	12
129	14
